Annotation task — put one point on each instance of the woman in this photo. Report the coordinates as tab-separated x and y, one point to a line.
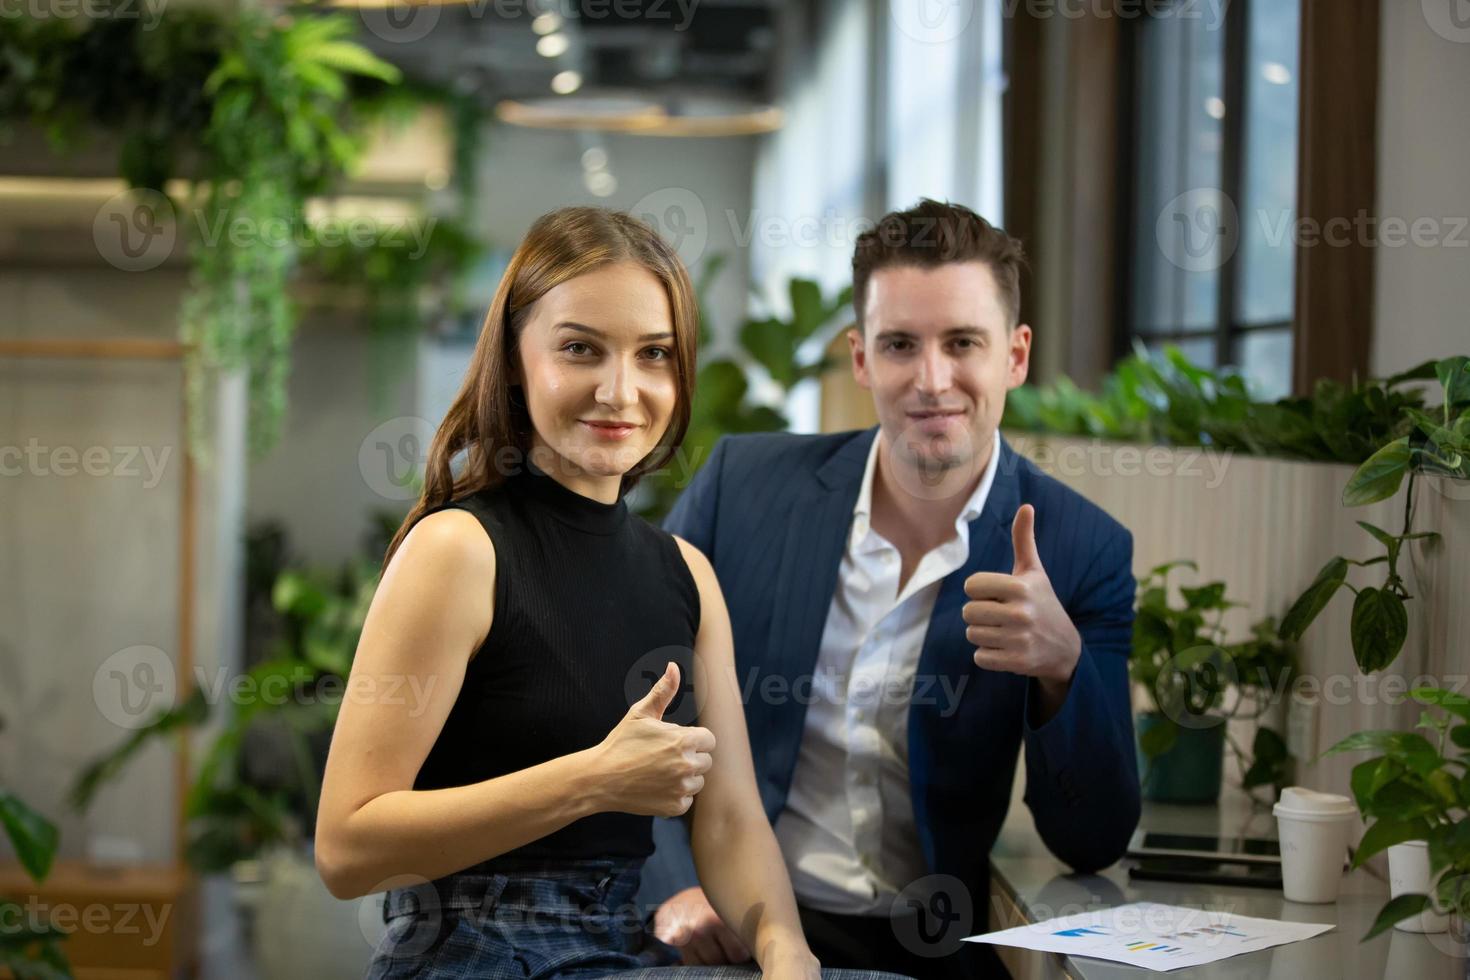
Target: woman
508	807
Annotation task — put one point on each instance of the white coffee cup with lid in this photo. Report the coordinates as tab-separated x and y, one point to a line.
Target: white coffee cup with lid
1314	829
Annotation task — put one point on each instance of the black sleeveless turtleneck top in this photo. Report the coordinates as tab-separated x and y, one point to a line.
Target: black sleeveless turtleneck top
591	603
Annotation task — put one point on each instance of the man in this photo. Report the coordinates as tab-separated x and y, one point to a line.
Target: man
913	606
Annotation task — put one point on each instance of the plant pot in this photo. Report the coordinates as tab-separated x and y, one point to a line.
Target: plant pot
301	932
1408	874
1190	771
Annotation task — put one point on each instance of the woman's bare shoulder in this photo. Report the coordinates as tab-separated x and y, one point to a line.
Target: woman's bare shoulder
448	559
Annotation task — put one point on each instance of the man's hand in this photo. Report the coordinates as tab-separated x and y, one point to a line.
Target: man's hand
687	920
1017	622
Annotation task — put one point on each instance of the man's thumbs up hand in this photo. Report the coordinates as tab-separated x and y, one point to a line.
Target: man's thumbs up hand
1023	542
1016	621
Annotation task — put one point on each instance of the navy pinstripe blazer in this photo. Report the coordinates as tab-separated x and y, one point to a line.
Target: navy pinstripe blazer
772	512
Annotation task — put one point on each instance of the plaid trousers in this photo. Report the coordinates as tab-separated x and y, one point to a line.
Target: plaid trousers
517	919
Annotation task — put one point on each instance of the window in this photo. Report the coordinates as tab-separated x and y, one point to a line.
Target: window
1211	205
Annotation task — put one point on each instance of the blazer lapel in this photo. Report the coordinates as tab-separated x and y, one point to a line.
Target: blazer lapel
816	534
946	652
990	551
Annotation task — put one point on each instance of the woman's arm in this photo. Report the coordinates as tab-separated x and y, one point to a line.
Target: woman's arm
735	850
432	610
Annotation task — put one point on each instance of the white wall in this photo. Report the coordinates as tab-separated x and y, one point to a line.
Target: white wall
699	189
89	569
1423	293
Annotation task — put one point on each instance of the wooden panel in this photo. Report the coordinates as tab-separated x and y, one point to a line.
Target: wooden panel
845	404
1337	179
136	922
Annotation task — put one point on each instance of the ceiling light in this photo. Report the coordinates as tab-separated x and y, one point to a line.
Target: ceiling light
566	82
546	23
552	46
1215	107
594	158
600	182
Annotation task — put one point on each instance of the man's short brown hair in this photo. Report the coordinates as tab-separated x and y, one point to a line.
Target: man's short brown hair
931	234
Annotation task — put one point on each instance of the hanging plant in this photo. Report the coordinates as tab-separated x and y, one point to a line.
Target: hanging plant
260	107
273	138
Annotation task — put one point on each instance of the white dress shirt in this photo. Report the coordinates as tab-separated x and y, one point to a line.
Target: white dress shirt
847	831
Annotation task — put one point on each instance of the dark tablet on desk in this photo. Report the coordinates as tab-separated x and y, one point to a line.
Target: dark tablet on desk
1196	872
1249	850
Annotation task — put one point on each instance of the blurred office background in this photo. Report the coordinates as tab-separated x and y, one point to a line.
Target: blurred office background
244	255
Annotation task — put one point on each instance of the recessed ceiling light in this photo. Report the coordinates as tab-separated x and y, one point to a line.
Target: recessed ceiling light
594	158
600	182
566	82
1215	107
552	45
546	23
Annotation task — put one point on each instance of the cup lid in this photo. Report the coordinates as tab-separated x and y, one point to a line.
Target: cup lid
1298	800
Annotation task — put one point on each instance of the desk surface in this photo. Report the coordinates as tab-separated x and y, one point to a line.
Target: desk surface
1041	887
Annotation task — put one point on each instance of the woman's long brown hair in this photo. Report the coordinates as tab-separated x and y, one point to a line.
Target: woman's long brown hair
484	420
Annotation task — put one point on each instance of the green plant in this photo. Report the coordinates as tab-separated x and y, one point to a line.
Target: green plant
1437	444
722	404
292	697
1181	659
1412	790
1161	397
261	111
30	950
274	137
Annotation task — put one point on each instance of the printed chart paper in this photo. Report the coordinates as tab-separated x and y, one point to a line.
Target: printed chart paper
1154	936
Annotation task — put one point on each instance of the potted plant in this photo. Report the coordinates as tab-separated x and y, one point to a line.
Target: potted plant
1434	443
1417	789
1181	659
28	949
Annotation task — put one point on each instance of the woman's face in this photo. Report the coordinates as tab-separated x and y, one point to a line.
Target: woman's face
597	365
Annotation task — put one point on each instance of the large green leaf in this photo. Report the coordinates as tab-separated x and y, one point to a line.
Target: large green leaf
1456	704
1454	376
1380	475
1395	911
32	835
1371	775
807	310
1269	758
1379	626
770	342
1408	748
1314	600
1159	739
1383	834
346	56
1211	596
105	767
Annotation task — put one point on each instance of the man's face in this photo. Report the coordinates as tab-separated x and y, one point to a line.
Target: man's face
936	354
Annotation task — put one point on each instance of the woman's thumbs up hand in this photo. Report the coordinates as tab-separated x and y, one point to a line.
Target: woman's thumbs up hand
649	766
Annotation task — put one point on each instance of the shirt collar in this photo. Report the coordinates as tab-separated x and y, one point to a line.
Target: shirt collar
862	511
